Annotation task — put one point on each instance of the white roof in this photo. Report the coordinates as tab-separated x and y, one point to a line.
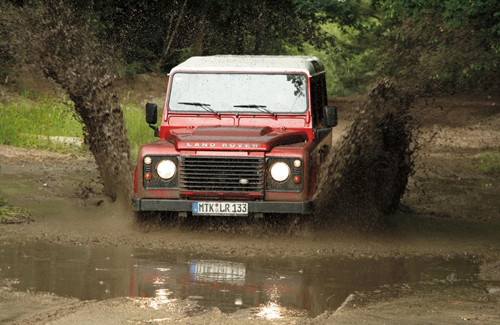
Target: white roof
249	63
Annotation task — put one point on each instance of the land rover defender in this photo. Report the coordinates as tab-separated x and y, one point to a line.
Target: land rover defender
239	136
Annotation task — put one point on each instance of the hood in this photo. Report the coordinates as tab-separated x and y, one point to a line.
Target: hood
236	138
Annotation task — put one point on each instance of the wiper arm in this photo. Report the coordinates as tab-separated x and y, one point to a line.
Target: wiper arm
262	107
202	105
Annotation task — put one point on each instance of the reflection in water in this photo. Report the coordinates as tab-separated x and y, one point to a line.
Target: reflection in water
270	311
218	272
270	288
157	302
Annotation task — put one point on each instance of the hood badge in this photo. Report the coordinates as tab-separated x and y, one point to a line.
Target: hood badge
243	181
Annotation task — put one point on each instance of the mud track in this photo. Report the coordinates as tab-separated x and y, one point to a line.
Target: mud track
450	209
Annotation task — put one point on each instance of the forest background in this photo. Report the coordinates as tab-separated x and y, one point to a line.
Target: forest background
445	46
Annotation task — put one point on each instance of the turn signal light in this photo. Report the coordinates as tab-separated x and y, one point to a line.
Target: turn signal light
147	176
296	179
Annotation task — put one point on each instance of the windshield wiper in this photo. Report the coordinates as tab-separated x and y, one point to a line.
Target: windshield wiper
262	107
206	107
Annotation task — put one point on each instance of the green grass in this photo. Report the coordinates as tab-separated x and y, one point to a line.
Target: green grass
10	214
29	122
489	163
138	132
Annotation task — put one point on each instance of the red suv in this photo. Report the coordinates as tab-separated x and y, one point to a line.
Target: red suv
239	136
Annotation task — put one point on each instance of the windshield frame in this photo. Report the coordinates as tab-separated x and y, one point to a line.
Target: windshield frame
240	112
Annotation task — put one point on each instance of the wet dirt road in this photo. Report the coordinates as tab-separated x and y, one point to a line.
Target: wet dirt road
85	260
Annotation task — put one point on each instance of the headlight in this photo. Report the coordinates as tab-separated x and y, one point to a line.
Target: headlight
280	171
166	169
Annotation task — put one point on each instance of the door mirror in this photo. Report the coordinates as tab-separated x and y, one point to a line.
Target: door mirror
151	113
330	116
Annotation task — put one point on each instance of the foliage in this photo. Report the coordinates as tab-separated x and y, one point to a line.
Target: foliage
441	46
349	67
153	35
438	46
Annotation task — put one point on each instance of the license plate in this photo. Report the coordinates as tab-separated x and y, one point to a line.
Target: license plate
209	208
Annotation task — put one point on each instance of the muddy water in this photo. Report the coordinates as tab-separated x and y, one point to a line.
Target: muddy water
305	285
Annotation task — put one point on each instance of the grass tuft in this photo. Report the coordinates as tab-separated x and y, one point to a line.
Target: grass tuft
489	163
10	214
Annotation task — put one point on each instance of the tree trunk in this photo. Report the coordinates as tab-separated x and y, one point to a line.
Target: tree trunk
239	38
199	37
171	35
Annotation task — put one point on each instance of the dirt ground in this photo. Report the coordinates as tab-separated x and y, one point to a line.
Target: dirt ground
451	208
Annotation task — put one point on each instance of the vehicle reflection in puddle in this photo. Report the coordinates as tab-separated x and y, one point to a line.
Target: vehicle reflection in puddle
267	286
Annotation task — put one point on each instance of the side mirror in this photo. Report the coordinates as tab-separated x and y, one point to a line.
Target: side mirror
152	117
330	116
151	113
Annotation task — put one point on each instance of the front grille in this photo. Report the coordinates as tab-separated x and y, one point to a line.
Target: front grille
222	174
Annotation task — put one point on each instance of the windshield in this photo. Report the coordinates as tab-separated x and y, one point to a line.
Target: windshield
238	92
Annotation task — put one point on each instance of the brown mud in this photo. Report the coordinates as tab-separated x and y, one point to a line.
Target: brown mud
368	169
451	209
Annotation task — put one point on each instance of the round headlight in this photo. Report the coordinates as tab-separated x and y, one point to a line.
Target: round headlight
166	169
280	171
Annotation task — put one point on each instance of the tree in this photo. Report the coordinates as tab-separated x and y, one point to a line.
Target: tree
153	35
435	46
443	46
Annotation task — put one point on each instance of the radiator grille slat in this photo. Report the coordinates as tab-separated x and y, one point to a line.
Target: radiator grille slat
222	174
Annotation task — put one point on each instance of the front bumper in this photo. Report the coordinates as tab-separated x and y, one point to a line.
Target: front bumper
253	206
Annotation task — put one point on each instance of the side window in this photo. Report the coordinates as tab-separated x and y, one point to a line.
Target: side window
318	99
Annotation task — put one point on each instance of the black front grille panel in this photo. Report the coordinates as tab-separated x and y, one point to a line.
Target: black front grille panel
222	174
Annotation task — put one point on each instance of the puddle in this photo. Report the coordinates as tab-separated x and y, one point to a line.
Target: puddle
305	285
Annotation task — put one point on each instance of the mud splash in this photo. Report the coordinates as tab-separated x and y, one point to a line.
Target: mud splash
368	171
61	44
